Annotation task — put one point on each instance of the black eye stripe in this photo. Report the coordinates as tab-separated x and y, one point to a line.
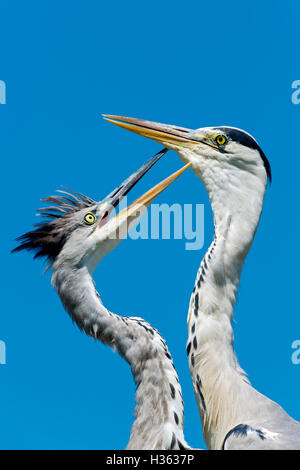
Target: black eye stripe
237	135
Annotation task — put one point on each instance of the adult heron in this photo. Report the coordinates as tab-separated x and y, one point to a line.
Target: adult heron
234	171
77	234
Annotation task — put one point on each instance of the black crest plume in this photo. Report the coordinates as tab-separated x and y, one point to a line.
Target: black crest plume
246	139
49	236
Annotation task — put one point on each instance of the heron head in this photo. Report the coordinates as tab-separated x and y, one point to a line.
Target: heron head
80	231
223	157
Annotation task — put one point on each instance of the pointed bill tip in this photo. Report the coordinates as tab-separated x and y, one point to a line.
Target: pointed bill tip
146	199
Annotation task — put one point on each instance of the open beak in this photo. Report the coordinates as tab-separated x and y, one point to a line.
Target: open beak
162	133
114	198
136	209
144	201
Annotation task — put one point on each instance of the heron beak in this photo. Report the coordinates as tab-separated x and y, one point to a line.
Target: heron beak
162	133
140	204
113	199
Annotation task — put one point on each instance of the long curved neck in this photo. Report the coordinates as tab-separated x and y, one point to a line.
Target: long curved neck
159	405
221	387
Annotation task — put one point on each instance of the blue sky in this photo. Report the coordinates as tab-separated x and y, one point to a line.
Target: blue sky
192	64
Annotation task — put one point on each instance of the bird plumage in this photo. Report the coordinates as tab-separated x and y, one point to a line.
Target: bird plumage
49	237
73	239
234	171
159	407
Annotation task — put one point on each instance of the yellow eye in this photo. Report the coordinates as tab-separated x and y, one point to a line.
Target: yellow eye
221	139
89	218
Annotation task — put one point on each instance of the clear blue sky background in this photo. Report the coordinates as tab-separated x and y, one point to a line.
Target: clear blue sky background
191	63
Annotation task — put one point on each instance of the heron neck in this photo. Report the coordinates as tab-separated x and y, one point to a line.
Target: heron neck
159	406
217	377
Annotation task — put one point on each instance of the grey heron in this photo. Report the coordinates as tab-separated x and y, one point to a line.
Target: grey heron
234	171
77	233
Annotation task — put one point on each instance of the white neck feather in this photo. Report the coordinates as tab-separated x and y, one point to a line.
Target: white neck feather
218	380
159	405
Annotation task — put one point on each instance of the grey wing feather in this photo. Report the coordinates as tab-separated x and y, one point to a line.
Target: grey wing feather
246	437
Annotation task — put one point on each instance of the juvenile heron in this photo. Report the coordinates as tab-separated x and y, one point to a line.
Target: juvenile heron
234	171
76	236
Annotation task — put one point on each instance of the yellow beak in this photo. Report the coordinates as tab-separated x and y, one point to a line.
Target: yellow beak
162	133
145	200
170	136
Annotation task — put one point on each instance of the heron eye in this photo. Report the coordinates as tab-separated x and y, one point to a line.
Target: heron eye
89	218
221	139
